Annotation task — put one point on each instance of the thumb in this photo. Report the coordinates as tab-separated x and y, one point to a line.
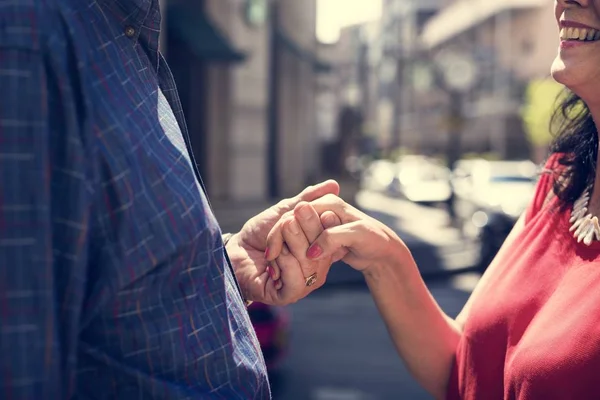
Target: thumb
315	192
329	219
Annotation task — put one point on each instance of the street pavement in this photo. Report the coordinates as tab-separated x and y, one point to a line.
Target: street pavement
340	349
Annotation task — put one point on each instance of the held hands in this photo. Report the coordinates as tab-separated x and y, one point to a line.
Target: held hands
284	253
347	234
283	283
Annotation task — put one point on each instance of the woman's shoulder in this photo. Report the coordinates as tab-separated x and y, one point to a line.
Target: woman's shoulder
550	173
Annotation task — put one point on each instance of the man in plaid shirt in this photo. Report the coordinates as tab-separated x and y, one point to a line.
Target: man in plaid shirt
114	280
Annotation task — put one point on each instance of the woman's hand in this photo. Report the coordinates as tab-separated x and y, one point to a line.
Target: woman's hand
290	267
360	241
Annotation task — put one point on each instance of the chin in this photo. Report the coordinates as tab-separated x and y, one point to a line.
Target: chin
560	72
569	77
582	78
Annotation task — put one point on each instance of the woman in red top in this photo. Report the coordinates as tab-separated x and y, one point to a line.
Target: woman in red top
531	329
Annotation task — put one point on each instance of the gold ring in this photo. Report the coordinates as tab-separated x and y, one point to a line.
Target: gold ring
311	280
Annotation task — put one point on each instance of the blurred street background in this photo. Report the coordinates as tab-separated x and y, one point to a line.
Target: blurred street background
432	114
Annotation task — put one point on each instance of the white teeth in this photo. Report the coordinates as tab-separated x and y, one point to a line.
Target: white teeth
591	34
579	34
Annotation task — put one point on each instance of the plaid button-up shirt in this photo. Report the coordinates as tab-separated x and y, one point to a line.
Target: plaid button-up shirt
113	277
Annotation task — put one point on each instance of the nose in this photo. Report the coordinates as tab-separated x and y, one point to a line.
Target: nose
574	3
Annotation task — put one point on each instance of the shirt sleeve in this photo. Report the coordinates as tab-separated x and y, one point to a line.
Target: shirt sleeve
43	227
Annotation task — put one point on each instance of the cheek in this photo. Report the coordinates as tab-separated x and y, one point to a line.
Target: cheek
558	10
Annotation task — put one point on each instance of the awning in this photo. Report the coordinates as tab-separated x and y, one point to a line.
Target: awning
304	55
463	15
193	27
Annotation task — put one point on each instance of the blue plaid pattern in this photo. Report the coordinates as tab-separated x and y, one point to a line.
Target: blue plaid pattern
113	277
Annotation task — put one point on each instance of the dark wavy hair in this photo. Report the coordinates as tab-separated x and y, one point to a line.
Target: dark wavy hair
576	139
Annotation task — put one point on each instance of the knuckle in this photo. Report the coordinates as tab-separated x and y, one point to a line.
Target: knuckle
368	228
284	205
289	215
287	225
301	204
307	189
331	198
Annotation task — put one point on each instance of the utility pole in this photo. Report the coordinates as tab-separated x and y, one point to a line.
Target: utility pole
502	83
272	165
397	103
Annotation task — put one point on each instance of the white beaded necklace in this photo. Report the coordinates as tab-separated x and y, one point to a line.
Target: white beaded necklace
584	225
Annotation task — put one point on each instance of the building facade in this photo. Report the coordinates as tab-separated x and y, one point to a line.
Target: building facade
399	68
509	44
248	99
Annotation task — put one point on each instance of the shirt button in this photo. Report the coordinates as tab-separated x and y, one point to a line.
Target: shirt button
130	31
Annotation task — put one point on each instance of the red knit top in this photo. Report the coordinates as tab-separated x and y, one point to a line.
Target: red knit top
532	326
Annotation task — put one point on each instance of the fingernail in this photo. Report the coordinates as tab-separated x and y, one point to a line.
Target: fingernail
304	212
271	271
314	251
294	228
267	253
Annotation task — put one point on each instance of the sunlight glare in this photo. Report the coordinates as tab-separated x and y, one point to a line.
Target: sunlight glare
332	15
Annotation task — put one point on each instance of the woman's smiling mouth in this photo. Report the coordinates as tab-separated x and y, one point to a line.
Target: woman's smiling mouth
579	34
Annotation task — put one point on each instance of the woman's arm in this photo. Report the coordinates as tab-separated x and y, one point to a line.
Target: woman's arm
424	336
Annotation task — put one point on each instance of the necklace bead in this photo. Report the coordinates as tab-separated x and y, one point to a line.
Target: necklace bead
584	225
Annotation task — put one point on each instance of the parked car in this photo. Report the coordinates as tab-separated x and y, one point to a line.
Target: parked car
492	235
489	198
273	330
421	180
378	175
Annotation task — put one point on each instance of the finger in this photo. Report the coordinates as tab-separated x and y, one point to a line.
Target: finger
339	255
275	239
329	219
273	286
327	204
295	239
309	221
345	212
273	270
338	238
319	190
293	282
329	187
276	274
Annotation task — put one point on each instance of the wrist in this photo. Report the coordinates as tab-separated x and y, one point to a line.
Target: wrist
226	237
229	240
397	262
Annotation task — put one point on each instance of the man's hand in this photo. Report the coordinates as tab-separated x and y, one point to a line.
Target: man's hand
246	249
